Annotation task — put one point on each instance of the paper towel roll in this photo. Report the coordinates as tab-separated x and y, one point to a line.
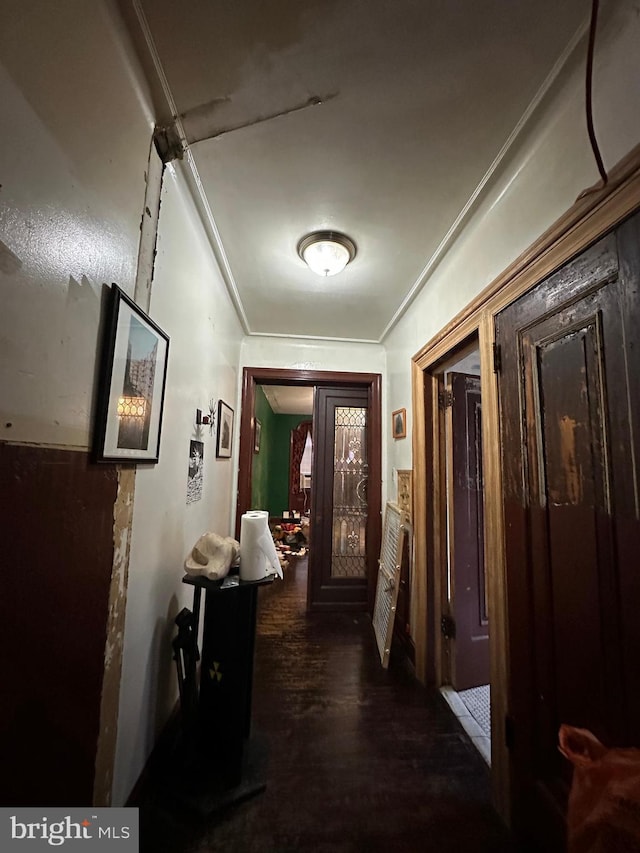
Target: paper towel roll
258	555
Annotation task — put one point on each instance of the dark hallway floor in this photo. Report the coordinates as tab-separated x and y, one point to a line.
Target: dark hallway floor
360	759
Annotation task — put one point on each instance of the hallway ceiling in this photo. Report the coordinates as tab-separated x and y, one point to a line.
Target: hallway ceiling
380	119
289	399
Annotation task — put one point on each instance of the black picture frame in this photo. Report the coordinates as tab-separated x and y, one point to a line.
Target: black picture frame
224	437
133	373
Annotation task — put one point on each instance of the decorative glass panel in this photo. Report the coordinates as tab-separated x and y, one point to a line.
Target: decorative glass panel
350	473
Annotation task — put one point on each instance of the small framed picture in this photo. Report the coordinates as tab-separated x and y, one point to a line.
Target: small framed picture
132	381
399	423
257	433
196	471
225	430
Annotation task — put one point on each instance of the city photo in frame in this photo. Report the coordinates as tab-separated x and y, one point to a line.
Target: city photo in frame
133	375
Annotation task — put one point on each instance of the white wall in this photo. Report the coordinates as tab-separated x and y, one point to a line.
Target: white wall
300	354
545	172
74	147
189	301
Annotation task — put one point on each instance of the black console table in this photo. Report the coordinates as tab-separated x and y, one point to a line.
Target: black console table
224	763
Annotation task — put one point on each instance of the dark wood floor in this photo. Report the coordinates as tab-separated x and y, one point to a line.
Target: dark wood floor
360	759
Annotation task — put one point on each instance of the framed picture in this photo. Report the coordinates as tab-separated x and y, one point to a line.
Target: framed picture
225	430
132	382
196	471
399	423
256	436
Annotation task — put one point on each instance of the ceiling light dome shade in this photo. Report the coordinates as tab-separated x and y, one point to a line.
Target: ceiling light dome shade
326	252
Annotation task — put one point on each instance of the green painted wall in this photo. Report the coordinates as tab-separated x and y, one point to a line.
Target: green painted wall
261	461
270	471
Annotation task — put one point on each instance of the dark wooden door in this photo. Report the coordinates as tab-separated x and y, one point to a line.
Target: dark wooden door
570	415
340	562
470	646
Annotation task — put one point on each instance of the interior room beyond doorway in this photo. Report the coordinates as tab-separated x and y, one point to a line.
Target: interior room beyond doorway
465	622
283	446
346	416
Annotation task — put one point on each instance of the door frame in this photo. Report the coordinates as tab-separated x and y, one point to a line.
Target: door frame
594	213
254	376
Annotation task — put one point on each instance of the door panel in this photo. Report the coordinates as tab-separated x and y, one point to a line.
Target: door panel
470	648
569	421
339	561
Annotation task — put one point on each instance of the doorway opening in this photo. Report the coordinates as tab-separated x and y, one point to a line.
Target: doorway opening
464	621
340	494
281	479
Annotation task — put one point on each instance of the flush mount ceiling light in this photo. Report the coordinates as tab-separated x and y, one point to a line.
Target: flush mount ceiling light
326	252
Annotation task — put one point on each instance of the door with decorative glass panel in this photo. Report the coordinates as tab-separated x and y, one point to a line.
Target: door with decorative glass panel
340	564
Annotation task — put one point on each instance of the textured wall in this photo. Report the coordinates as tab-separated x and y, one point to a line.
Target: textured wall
189	301
73	154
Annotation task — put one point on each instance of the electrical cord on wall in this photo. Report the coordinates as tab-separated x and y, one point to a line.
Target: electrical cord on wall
589	101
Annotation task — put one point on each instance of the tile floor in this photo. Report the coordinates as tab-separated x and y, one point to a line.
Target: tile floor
473	710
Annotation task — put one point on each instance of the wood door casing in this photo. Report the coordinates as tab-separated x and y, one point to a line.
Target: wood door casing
570	414
470	646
